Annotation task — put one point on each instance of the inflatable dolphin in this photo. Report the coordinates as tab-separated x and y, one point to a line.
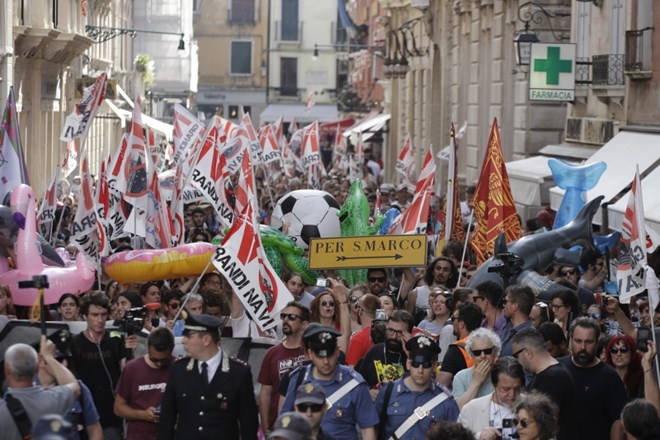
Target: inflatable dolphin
537	251
575	179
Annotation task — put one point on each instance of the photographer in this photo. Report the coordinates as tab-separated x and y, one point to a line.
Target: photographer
99	357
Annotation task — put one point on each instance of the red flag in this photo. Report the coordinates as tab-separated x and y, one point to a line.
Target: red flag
187	130
311	153
246	187
494	208
405	165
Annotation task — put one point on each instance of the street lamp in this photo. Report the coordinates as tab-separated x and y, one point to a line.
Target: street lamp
102	34
533	12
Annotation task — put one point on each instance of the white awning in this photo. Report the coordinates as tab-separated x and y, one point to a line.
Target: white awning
621	154
161	127
569	150
650	185
530	180
318	112
367	127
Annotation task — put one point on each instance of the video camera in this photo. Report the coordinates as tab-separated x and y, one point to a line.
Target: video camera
133	320
511	266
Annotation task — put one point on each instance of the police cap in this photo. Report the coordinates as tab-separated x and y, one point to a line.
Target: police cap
321	339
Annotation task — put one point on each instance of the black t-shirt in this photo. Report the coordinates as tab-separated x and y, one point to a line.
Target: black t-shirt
557	383
453	361
379	365
600	397
99	367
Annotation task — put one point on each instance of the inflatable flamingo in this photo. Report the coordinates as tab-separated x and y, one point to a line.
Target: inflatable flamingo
76	279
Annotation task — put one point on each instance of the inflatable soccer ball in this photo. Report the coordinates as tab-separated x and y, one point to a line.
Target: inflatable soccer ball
309	213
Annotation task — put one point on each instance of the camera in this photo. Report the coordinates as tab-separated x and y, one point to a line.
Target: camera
380	315
322	282
133	321
510	267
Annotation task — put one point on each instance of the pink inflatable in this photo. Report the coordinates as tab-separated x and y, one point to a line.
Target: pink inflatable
75	279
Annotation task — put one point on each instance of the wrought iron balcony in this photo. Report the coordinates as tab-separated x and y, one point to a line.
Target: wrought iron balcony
607	70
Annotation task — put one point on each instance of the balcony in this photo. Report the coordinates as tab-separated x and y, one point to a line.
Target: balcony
608	78
288	34
638	53
287	94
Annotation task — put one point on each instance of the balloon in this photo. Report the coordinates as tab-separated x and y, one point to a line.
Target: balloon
389	215
537	252
354	222
28	260
575	179
158	264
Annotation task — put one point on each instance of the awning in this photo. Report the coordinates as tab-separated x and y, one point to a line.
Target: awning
621	154
530	180
650	185
569	150
368	127
161	127
318	112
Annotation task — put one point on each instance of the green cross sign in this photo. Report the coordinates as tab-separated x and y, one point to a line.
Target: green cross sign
553	65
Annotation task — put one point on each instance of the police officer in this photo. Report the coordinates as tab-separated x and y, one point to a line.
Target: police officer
348	399
208	395
410	405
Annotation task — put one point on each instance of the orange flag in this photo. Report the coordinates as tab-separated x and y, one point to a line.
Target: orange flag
494	209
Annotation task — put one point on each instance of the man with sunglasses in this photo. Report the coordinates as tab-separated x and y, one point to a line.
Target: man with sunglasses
550	378
517	305
349	401
377	281
141	385
208	394
411	405
280	359
310	401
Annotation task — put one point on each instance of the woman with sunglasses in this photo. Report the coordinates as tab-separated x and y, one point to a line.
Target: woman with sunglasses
330	310
621	353
536	417
354	295
484	347
440	273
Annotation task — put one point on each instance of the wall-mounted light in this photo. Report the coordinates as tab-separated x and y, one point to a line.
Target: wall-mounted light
532	12
102	34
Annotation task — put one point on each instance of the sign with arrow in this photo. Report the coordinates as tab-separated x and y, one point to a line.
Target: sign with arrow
367	251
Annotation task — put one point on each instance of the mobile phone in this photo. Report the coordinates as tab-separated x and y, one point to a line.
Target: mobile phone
322	282
381	315
643	336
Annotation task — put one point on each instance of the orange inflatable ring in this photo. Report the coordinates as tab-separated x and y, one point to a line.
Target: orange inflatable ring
158	264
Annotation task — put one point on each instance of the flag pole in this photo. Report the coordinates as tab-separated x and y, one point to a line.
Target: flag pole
467	239
193	289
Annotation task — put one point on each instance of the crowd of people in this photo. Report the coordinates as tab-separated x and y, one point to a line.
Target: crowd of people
409	354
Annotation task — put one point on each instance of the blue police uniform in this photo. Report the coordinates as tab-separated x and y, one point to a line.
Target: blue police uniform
356	407
402	404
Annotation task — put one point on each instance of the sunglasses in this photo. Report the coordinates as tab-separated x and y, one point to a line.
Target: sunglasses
304	407
622	350
353	299
417	364
289	316
164	361
568	272
173	306
595	315
524	423
328	303
377	279
517	353
484	351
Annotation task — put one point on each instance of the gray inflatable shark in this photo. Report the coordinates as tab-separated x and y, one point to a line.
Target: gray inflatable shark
536	253
9	234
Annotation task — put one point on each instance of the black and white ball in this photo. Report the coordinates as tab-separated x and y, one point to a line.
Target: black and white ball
309	213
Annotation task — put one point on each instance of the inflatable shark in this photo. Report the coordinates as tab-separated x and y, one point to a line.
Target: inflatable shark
534	253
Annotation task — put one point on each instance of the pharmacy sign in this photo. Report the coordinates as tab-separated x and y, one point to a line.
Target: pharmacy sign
552	72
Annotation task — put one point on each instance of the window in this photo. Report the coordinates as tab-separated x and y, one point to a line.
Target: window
290	20
241	58
289	76
233	112
242	11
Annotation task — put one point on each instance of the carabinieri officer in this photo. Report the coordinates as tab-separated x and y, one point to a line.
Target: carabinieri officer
347	393
410	405
208	395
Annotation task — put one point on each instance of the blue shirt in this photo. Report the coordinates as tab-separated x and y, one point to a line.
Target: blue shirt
356	407
403	402
507	336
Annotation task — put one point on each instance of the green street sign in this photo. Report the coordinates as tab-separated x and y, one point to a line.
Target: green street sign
552	72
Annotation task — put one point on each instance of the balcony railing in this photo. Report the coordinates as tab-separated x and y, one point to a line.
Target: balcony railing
287	93
638	50
607	70
582	72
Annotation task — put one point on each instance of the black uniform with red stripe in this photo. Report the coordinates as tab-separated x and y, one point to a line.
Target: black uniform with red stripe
226	408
